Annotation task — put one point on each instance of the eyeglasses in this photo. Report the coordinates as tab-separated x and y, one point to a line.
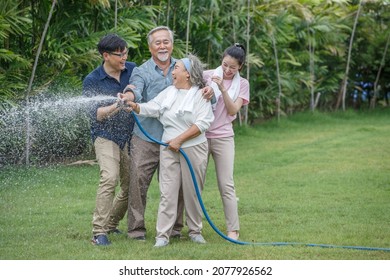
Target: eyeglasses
121	55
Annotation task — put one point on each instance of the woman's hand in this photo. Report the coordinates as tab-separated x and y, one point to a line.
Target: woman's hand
208	93
127	103
134	106
175	144
218	80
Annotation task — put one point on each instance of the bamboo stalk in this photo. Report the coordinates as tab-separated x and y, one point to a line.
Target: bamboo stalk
188	26
247	57
345	82
373	100
28	121
116	15
278	100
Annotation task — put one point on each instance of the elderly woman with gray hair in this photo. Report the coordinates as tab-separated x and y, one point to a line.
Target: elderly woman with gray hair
185	116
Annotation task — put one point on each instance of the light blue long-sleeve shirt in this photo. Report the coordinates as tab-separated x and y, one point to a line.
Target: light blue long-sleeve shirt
149	81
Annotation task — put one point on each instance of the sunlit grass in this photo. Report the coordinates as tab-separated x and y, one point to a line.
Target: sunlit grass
322	179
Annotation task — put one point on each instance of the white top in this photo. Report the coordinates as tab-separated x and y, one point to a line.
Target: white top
187	107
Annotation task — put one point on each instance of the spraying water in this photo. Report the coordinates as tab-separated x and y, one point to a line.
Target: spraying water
58	128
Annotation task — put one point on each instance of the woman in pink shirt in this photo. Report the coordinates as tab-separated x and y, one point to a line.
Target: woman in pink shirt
231	92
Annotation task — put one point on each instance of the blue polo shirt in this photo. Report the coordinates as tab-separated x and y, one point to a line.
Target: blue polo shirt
119	127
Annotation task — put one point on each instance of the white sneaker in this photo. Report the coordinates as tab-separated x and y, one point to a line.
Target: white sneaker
233	235
161	242
198	239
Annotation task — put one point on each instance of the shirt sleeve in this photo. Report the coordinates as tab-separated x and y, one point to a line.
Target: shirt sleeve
150	109
203	112
244	91
153	107
207	76
139	82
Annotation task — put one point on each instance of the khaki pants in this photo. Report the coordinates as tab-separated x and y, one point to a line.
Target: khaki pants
222	151
114	168
144	160
175	174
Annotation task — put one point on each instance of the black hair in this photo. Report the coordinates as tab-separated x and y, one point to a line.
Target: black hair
111	43
236	51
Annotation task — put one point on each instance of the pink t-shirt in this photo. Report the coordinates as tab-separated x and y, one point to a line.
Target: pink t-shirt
222	124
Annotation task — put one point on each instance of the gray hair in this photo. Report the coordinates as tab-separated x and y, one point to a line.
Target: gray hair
158	28
196	73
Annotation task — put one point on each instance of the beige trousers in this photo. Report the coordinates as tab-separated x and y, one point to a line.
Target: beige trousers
222	151
114	168
144	160
174	174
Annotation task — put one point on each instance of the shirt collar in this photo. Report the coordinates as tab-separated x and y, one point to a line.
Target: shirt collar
155	66
103	74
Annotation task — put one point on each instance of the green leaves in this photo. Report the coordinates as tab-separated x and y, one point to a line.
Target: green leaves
310	38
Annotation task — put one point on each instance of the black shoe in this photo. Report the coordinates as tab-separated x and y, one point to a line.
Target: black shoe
139	238
114	231
100	240
175	234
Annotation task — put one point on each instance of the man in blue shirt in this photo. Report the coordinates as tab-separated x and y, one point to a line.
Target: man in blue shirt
147	81
111	128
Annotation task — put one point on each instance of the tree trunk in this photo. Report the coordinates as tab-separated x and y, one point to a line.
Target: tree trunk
278	75
317	99
343	91
376	90
209	43
188	26
312	75
168	10
28	121
248	36
116	15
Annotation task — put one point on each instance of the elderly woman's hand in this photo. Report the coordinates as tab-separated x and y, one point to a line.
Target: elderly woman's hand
208	93
134	106
174	144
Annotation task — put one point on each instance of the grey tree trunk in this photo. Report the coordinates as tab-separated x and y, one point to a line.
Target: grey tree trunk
376	90
116	15
345	80
278	75
188	26
312	74
28	121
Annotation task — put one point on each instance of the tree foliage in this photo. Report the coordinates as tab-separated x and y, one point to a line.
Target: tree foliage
297	48
310	36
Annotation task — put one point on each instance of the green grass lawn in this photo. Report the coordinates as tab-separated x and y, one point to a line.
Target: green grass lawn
312	178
